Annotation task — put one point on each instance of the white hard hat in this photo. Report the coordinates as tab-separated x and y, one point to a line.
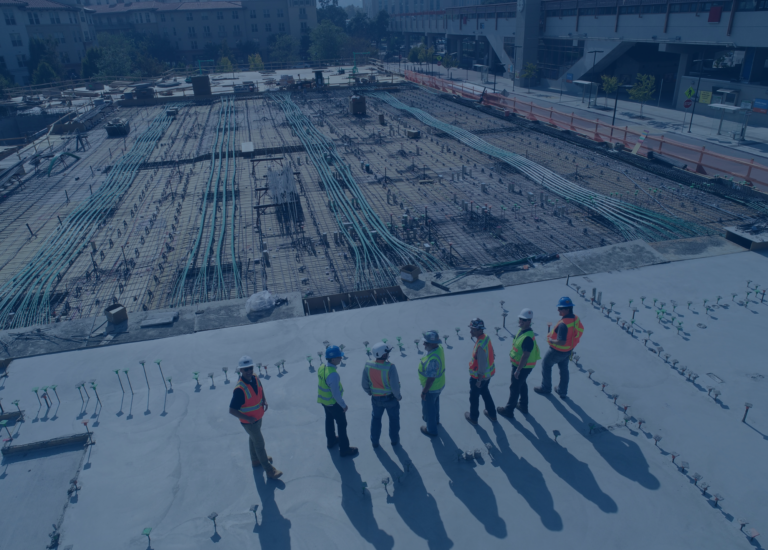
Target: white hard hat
526	314
380	350
245	362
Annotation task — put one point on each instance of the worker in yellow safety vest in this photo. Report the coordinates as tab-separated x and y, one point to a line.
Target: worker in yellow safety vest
524	354
432	379
564	337
330	395
248	405
481	369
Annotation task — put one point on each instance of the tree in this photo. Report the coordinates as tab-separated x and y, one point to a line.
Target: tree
225	65
529	73
90	66
44	51
255	63
334	14
283	49
643	89
449	62
247	48
118	53
380	26
326	41
610	85
426	55
415	53
44	74
359	26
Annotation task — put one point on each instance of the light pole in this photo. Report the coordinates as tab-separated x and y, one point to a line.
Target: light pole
514	68
698	85
615	103
594	61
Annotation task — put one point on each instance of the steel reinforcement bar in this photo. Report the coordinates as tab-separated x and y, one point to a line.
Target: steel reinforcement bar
632	222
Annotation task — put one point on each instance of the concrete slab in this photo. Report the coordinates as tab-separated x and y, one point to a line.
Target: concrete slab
697	247
614	257
231	313
423	288
556	269
174	457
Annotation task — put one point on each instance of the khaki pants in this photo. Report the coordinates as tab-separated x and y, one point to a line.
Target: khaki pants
256	445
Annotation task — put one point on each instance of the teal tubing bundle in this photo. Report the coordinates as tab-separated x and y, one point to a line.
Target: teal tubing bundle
632	222
25	299
374	267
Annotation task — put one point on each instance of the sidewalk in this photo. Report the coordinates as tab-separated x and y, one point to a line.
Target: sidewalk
658	120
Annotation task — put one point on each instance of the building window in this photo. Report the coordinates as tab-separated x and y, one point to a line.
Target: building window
21	59
254	27
236	28
174	31
235	15
207	30
64	57
253	14
189	16
302	13
268	27
191	31
280	13
304	26
2	63
16	40
281	27
10	18
222	30
55	18
193	44
204	17
162	18
219	15
266	13
34	19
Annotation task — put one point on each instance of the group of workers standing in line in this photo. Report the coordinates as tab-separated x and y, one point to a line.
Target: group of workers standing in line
381	381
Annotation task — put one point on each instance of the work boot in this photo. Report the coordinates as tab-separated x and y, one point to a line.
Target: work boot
274	474
469	419
425	432
522	409
351	451
503	412
538	389
256	463
557	391
491	418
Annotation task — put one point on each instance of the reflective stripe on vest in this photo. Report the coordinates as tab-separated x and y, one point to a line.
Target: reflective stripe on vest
484	346
253	405
517	350
439	356
575	330
378	375
324	395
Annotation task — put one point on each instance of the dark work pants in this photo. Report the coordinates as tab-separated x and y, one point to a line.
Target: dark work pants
518	391
474	398
335	413
559	358
391	405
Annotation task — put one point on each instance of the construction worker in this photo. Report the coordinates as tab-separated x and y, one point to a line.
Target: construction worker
432	378
329	395
381	382
524	354
481	369
249	404
562	340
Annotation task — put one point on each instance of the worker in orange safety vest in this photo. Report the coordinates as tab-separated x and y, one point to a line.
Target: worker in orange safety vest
481	369
564	337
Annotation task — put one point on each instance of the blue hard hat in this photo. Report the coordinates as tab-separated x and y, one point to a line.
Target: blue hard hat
565	301
332	352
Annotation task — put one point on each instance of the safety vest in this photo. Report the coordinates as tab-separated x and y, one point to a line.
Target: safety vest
517	349
438	355
378	375
254	404
575	330
324	395
484	346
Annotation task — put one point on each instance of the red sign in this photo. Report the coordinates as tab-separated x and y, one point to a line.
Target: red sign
688	103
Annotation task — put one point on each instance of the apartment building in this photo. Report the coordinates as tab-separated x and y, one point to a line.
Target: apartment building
71	27
192	25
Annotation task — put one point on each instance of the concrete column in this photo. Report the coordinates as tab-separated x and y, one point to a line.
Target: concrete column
678	98
526	34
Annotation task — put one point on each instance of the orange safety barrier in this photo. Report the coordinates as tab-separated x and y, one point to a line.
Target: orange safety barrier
697	158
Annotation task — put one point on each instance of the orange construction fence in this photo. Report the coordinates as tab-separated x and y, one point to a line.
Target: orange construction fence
697	158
